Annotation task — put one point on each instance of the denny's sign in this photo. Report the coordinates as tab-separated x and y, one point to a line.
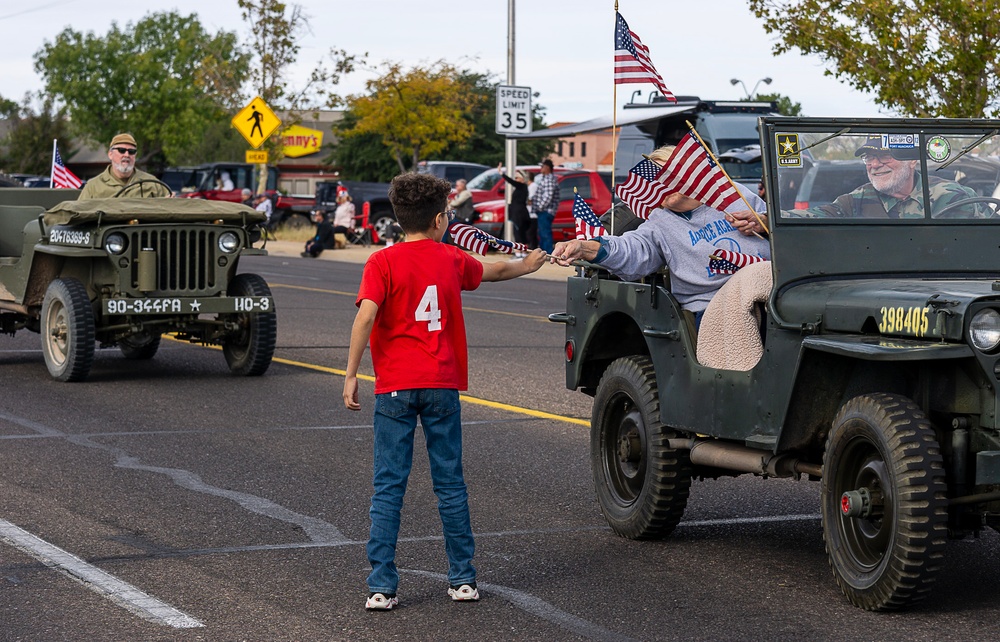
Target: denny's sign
301	141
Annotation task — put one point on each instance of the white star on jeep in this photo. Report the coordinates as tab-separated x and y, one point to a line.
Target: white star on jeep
195	305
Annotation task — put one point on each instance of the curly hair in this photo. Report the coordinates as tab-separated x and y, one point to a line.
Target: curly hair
417	199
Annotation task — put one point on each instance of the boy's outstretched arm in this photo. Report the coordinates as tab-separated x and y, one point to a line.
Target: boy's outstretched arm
504	270
360	333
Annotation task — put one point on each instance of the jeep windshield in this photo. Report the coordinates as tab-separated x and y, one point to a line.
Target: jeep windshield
855	172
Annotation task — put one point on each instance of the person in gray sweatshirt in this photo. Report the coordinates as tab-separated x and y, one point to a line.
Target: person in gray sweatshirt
680	235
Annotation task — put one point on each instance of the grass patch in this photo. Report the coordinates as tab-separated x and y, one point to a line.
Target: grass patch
297	233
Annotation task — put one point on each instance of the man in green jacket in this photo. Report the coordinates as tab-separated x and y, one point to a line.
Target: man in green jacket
121	178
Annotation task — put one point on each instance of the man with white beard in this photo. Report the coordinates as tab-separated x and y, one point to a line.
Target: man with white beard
121	178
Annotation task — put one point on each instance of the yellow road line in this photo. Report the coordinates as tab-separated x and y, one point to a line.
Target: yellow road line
533	317
476	401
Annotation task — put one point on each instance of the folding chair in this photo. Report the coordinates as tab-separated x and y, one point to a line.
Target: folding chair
362	232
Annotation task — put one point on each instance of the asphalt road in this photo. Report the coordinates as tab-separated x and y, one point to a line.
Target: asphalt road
199	506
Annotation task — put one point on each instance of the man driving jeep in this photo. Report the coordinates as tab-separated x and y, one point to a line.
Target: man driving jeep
121	178
895	188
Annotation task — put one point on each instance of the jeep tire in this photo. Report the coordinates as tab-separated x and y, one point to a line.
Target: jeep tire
140	346
884	552
67	330
642	484
249	350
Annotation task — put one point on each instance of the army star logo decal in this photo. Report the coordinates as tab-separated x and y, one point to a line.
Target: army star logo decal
195	305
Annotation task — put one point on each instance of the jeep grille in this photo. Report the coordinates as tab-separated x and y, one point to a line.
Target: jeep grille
185	258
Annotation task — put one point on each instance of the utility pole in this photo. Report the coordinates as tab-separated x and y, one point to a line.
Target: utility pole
510	161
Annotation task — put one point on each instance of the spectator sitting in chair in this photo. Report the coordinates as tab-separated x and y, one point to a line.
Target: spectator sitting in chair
325	238
343	217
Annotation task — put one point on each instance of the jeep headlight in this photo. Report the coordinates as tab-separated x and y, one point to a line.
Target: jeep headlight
984	330
229	242
115	243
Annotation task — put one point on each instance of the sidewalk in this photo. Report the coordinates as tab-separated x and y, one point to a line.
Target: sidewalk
357	254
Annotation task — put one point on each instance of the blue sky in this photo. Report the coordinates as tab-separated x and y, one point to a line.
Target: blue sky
563	48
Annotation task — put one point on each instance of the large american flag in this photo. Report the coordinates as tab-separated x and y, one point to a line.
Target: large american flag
641	191
62	177
693	173
588	226
728	262
632	63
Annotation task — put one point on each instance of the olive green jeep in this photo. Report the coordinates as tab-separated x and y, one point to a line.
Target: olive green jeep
124	271
877	367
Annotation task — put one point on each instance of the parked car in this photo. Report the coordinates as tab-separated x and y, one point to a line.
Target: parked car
589	184
451	171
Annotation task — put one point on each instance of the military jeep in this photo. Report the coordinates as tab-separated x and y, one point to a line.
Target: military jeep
124	271
879	367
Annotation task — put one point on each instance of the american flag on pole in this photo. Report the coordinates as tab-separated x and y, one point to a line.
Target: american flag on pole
693	173
641	191
728	262
632	63
62	177
588	226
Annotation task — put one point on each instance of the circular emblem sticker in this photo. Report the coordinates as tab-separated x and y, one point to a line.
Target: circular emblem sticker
938	148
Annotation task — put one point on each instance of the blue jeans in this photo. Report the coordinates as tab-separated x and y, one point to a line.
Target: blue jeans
545	231
395	423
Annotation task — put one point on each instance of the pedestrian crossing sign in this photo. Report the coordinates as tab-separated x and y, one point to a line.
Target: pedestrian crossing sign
256	122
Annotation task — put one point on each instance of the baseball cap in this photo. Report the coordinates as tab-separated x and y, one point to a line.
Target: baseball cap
123	138
899	146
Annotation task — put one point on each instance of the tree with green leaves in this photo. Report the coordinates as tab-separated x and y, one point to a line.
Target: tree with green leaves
416	112
364	154
27	147
785	105
925	58
147	78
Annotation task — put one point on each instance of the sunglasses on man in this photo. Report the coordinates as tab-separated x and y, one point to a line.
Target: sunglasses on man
124	150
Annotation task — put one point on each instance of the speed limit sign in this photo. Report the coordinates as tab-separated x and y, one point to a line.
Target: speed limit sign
513	110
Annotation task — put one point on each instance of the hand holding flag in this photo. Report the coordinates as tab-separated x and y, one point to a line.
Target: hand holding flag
692	172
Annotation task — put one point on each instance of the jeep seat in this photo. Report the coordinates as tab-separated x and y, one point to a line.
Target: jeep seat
730	334
13	219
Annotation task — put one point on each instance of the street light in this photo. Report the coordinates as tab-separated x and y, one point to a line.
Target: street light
634	93
750	94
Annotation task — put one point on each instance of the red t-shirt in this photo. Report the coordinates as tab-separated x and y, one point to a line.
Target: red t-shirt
418	340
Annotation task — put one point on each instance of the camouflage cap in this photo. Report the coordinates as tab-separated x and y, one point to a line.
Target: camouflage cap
900	146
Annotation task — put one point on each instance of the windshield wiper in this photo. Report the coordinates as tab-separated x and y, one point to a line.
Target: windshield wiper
967	148
823	140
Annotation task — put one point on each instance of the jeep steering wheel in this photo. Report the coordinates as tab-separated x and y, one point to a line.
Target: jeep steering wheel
140	182
994	211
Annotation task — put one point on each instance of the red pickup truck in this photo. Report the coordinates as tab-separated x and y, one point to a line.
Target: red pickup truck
488	196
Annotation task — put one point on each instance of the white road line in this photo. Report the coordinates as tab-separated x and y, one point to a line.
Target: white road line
751	520
122	593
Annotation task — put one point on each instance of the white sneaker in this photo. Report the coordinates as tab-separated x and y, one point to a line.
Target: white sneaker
464	593
380	602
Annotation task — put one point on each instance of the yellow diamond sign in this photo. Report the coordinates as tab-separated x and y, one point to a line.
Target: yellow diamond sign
256	122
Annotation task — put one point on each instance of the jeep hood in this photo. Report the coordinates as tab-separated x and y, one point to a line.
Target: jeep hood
868	306
150	210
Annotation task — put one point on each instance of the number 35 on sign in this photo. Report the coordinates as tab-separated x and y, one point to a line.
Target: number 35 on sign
513	110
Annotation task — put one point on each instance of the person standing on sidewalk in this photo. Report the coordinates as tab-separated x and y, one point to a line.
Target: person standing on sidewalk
518	208
410	306
545	204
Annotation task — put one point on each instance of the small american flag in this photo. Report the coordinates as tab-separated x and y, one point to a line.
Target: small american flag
468	237
691	171
632	63
588	226
61	177
728	262
641	191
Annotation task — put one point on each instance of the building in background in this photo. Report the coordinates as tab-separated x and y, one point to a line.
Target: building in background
591	150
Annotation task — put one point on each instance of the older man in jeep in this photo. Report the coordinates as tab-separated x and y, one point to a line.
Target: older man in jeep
121	178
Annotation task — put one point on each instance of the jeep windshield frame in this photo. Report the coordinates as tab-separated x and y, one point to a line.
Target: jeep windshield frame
964	243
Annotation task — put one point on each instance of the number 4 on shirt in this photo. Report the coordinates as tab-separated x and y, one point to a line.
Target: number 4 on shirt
427	309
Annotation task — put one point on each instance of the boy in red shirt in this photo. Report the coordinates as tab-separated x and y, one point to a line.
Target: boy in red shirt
410	307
